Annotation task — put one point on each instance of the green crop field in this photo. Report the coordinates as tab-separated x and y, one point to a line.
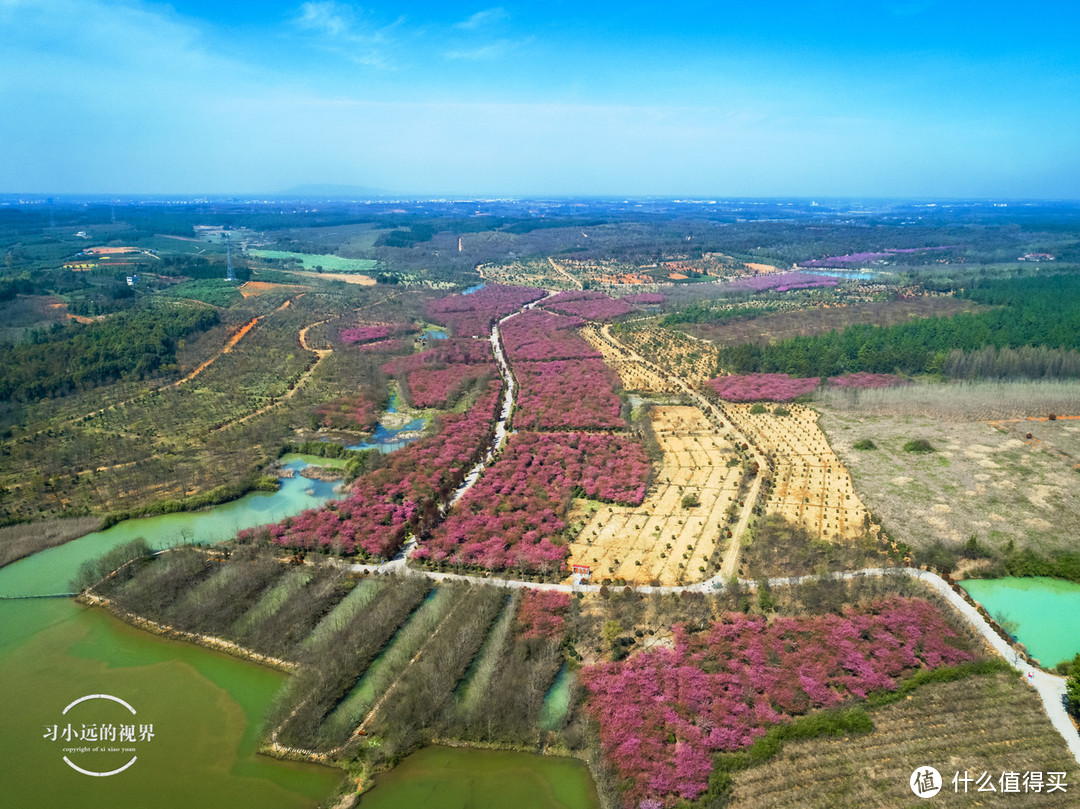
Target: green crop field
327	262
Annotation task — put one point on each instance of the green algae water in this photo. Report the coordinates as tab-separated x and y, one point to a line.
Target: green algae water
206	708
1046	613
462	778
557	700
51	571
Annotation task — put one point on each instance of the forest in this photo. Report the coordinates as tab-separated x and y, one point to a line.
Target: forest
65	358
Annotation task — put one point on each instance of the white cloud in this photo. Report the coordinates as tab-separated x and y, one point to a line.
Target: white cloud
490	51
483	18
328	17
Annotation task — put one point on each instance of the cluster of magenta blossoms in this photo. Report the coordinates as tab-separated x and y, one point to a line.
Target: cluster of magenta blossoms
865	258
862	379
645	298
781	282
370	332
541	336
348	413
663	713
542	614
441	387
513	518
437	376
762	387
588	305
567	395
402	496
472	315
396	345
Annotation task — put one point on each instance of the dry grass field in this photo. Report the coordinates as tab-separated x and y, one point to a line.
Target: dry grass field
993	724
810	320
661	540
960	401
811	485
634	374
979	481
684	356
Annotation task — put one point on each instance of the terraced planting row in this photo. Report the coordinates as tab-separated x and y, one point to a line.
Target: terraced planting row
693	360
390	658
810	484
675	535
634	374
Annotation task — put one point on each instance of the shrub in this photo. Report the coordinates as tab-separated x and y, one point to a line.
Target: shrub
918	445
1072	688
758	409
690	500
864	444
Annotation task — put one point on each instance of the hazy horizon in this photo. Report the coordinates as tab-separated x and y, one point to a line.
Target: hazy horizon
909	99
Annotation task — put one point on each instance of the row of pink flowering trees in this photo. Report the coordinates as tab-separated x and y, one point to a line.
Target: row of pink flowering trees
567	395
472	315
587	304
762	387
780	282
538	336
514	517
663	713
438	376
402	496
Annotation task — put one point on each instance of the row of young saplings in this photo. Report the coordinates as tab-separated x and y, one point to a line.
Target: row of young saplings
382	662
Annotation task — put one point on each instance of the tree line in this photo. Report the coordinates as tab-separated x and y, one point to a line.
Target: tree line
1041	311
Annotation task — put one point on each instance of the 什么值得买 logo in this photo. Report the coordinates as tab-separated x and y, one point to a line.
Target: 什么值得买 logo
108	740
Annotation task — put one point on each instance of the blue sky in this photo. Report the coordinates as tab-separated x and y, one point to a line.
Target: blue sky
914	98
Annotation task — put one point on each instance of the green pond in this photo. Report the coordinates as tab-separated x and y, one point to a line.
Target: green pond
463	778
1045	612
206	708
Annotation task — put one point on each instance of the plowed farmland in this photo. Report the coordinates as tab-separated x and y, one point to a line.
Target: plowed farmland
662	540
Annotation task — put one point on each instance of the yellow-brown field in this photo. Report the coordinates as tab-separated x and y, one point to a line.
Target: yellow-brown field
811	485
693	360
660	540
634	373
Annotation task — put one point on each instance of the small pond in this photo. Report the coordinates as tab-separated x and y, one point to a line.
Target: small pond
1043	613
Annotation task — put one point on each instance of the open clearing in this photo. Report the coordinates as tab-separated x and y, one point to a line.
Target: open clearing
980	481
811	485
660	540
993	724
